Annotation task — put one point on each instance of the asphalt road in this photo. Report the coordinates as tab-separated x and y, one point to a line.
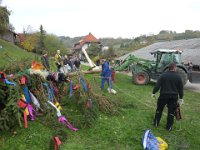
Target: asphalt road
190	48
193	87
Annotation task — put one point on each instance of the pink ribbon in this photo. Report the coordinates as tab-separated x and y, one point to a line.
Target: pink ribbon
31	110
64	121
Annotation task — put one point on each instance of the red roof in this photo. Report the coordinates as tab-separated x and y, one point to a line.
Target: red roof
90	38
87	39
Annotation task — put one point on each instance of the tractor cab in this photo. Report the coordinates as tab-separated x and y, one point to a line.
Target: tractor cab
164	57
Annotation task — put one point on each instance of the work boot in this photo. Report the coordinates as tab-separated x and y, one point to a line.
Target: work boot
169	128
157	118
170	122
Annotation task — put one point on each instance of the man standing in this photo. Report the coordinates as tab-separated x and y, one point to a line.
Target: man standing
45	61
58	60
105	74
171	89
77	64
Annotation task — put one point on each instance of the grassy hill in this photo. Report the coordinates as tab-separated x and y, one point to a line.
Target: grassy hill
111	132
10	53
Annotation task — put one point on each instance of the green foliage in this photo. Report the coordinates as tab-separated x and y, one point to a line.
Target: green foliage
4	19
53	43
10	116
110	53
93	50
9	53
30	42
42	37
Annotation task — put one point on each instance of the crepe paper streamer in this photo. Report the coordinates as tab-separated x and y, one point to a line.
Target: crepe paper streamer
9	83
58	113
23	80
27	94
35	101
64	121
57	143
31	111
70	89
84	85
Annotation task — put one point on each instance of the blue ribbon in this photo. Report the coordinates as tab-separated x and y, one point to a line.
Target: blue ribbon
84	85
27	94
70	89
10	83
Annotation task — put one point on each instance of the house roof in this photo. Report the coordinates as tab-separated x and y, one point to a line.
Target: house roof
87	39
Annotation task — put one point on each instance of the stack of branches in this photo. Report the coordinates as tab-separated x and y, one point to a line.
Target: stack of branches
10	113
81	108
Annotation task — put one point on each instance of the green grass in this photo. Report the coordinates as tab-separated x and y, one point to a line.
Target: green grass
125	131
9	53
121	132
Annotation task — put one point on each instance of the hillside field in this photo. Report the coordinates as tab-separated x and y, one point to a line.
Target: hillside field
123	131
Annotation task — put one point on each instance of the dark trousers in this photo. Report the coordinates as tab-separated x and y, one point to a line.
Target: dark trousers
171	102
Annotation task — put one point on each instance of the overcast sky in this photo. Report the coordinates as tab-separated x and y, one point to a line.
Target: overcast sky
105	18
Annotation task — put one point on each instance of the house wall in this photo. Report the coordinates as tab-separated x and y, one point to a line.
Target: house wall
8	36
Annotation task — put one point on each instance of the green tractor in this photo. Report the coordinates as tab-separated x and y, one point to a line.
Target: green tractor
144	71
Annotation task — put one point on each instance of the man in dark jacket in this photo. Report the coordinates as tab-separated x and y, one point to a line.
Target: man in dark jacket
171	89
45	61
77	64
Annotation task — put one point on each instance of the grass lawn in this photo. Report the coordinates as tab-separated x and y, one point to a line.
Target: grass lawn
123	131
10	53
116	132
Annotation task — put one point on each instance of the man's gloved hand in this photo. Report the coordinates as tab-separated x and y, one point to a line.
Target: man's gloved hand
180	102
153	95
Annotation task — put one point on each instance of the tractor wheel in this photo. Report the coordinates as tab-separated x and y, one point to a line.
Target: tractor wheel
141	78
183	75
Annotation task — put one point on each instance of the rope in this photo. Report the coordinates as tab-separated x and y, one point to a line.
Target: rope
138	97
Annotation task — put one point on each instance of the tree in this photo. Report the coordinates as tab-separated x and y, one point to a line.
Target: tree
31	42
4	19
42	37
93	50
53	43
109	53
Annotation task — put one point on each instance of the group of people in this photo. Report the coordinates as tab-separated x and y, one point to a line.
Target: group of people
169	84
69	63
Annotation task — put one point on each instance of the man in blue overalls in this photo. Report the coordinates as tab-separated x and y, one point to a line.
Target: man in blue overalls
105	74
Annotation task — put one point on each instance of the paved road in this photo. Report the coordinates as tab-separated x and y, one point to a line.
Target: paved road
190	48
193	87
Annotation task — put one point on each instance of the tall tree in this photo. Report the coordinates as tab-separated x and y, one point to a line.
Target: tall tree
4	19
42	37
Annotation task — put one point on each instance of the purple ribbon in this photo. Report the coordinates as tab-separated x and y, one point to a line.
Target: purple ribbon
31	110
64	121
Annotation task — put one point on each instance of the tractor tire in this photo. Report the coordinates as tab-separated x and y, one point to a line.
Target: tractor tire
141	78
183	75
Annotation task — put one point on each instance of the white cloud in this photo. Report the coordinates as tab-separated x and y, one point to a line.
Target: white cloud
105	18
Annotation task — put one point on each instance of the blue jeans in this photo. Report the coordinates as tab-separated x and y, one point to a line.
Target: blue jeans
108	80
